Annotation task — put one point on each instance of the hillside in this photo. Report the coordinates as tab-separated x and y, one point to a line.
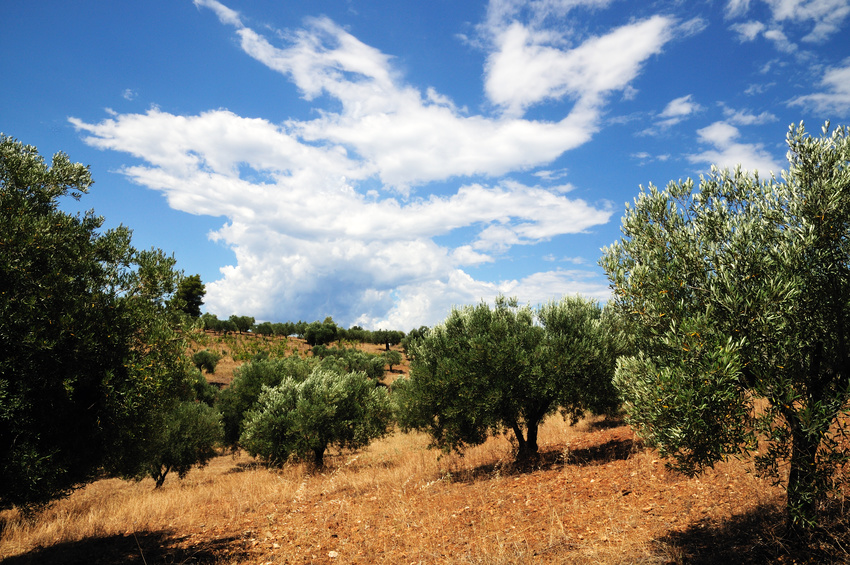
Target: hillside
595	496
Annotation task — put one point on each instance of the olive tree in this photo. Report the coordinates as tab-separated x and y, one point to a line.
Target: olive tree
241	396
206	360
241	323
483	371
88	334
736	298
302	419
187	435
321	333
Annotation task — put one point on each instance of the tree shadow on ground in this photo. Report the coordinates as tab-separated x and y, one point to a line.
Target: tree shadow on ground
143	548
607	423
757	537
612	450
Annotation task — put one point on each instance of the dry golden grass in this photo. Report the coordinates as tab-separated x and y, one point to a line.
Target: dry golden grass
594	497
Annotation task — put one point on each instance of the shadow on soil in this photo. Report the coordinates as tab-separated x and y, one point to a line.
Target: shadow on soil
145	548
756	537
612	450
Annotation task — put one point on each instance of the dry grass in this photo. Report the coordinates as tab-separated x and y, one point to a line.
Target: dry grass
594	497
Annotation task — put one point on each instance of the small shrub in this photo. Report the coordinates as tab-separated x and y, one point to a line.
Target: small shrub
206	360
189	434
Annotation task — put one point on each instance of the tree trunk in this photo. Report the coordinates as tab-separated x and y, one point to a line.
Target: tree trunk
319	457
159	477
526	444
802	478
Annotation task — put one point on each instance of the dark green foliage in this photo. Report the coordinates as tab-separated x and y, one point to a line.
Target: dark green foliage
302	419
206	360
577	357
248	381
484	370
321	333
283	329
387	338
190	295
356	333
201	389
87	334
187	435
412	336
735	301
241	324
392	358
264	328
211	322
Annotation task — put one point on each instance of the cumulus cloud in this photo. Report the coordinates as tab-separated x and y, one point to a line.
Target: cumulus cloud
529	66
727	152
835	97
339	213
677	110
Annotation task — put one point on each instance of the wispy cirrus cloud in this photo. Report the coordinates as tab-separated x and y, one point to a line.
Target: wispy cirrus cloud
820	19
835	96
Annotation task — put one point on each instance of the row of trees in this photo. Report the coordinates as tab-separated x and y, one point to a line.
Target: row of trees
479	373
315	333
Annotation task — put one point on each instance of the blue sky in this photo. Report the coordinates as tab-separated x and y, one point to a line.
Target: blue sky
382	161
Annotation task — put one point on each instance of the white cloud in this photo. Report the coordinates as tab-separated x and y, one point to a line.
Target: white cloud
303	236
746	118
677	110
735	8
225	14
528	67
335	214
129	94
823	18
749	31
827	16
780	40
727	152
835	98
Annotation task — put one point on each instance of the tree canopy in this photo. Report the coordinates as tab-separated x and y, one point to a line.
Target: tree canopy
87	334
303	418
483	371
736	298
190	294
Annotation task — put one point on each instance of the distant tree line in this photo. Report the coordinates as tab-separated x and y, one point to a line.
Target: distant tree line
314	333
